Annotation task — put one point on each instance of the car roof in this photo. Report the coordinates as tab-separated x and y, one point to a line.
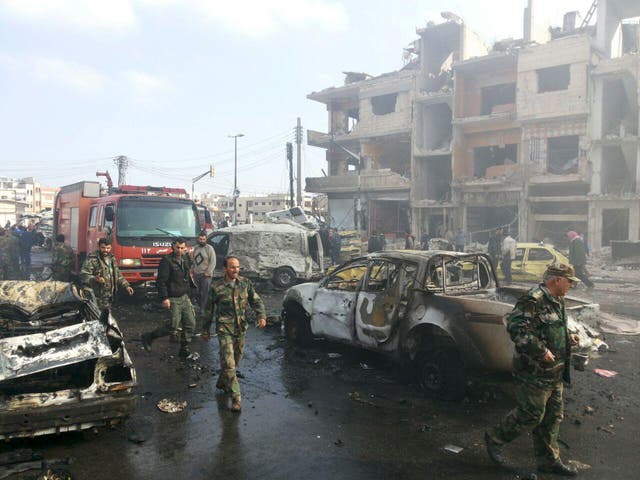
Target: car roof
418	255
533	244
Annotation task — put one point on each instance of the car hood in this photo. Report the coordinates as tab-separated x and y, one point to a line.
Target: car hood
29	297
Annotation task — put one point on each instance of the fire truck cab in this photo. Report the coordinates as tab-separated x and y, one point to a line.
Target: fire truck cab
141	222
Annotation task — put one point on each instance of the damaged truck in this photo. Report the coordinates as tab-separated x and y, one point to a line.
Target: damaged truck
284	253
441	314
63	363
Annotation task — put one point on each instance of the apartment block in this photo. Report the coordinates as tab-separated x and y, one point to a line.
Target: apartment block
537	134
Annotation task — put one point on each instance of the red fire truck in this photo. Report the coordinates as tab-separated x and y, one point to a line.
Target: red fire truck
141	222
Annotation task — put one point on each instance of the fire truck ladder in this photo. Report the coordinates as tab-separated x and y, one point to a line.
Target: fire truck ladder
589	15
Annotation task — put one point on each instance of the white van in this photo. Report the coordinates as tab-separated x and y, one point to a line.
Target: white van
295	214
282	252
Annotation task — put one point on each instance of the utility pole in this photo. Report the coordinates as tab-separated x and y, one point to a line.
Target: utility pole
299	161
236	193
122	163
290	159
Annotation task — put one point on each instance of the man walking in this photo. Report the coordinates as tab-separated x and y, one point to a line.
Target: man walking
508	255
100	272
63	260
204	263
538	328
229	298
494	247
174	284
578	257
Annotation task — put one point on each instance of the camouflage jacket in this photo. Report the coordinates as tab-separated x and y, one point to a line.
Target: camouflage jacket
108	269
62	261
230	302
538	323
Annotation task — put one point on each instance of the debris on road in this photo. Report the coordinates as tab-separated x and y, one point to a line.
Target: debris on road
453	448
194	356
579	465
169	406
605	373
338	443
334	355
355	396
589	410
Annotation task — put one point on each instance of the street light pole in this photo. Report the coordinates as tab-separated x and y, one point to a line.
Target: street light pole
235	175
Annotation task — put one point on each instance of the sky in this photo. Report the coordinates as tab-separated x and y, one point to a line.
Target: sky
166	82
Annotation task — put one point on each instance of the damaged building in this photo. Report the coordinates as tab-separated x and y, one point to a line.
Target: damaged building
539	134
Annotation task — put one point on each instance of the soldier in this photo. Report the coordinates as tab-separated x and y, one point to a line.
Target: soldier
229	297
538	328
174	284
9	255
63	260
100	272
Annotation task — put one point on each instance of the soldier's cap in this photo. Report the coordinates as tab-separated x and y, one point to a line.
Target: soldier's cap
561	270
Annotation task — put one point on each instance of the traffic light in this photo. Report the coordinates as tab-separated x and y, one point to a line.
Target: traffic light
289	150
212	171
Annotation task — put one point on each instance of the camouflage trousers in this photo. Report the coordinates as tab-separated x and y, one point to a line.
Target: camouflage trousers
182	317
231	342
539	409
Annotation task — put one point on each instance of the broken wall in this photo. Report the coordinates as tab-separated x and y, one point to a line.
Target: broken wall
548	148
473	89
464	159
546	66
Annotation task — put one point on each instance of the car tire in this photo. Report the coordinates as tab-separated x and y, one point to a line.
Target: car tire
297	325
441	374
284	277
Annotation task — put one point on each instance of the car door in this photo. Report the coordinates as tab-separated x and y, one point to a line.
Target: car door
536	262
334	303
517	265
383	300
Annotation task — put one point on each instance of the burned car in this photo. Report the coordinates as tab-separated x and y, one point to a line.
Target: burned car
440	312
63	363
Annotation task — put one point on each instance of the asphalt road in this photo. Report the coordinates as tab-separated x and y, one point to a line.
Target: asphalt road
335	412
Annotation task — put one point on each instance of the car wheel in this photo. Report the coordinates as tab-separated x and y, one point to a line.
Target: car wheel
441	374
284	277
297	325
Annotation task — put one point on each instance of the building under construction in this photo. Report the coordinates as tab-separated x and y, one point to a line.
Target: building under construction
539	134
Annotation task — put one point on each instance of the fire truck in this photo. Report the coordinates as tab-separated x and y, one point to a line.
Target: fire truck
140	221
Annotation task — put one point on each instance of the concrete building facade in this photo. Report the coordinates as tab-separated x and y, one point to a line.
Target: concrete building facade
538	134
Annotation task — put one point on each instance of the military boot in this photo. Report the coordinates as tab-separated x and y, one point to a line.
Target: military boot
235	404
559	468
147	339
184	351
494	450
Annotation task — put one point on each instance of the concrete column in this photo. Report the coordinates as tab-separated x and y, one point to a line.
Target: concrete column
634	222
594	226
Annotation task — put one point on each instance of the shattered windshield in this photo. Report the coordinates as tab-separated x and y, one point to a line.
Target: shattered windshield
157	219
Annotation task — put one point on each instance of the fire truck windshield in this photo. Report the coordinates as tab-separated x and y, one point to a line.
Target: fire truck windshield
156	218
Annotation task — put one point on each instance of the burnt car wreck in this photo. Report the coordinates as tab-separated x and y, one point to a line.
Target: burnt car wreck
63	363
440	313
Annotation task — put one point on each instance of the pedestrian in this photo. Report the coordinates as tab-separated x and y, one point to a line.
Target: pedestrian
174	285
508	256
27	239
494	247
449	237
578	258
225	222
382	242
460	241
63	260
373	245
409	240
5	255
100	273
336	246
424	241
538	327
204	263
229	299
585	243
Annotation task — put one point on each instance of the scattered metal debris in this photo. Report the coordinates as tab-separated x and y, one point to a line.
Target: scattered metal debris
605	373
170	406
453	448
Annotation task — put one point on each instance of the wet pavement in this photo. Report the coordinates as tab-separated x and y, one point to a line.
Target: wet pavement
330	411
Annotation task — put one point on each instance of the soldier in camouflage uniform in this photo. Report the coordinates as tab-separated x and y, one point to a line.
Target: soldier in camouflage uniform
9	256
230	297
63	260
174	284
100	272
538	328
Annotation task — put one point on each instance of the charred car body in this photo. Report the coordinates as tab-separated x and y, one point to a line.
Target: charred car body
63	363
441	312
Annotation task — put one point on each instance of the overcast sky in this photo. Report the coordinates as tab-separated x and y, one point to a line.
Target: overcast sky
165	82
